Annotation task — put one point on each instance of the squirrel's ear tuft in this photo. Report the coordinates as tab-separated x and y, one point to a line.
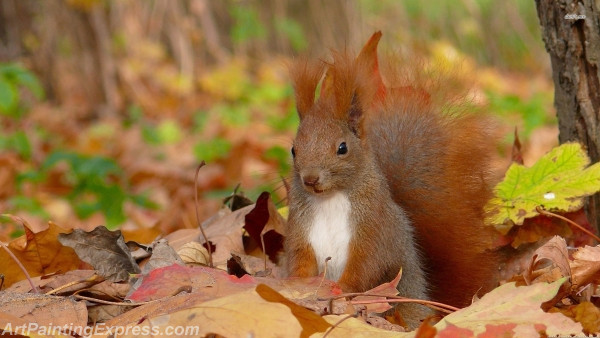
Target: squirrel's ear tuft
305	77
369	87
367	62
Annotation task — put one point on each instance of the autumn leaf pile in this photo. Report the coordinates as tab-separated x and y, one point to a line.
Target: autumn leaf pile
98	280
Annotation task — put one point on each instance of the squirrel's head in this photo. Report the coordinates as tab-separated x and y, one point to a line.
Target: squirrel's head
330	150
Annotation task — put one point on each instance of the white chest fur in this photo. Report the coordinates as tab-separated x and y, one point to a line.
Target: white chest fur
330	233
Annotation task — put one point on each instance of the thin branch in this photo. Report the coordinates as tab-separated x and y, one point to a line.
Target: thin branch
210	258
12	255
93	278
548	213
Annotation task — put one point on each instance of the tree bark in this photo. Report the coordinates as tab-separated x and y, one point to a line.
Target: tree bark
571	33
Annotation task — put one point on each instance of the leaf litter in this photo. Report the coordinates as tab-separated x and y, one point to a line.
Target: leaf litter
555	293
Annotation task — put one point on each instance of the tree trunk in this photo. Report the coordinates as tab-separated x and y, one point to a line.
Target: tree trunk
571	33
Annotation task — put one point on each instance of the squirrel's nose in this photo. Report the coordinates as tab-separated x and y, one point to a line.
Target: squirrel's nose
310	180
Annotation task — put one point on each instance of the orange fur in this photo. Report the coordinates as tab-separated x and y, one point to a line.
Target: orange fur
433	163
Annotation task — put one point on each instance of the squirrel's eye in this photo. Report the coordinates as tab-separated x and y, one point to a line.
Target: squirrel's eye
342	149
293	152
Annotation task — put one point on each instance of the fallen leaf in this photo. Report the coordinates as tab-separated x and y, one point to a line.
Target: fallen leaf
53	282
585	266
105	250
224	230
385	289
310	321
44	310
345	326
236	267
39	251
162	255
251	313
585	313
558	181
193	253
508	304
539	227
171	280
264	224
554	251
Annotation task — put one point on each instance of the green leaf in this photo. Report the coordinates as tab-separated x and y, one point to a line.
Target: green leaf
26	78
8	97
293	30
558	181
169	131
20	143
211	150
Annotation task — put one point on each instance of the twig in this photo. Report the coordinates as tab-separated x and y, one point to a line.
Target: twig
329	330
262	242
392	299
92	278
107	302
210	259
440	306
548	213
324	274
12	255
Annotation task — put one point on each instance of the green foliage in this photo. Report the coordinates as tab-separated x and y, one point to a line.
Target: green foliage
134	115
558	181
200	121
212	150
533	111
233	114
13	78
281	156
27	204
247	24
293	31
97	185
166	132
17	142
498	33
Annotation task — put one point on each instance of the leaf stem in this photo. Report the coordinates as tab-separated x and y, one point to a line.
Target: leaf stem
542	211
210	258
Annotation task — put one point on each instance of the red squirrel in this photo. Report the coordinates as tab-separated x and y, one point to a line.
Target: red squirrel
384	179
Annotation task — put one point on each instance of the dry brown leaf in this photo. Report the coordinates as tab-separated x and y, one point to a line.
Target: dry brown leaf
585	313
105	250
224	230
385	289
347	326
162	255
536	228
554	252
52	282
44	310
39	251
586	266
193	253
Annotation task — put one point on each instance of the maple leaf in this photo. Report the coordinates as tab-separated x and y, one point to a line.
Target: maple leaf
39	251
559	180
515	310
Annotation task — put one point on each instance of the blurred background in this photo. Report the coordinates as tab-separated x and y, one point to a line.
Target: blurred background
107	107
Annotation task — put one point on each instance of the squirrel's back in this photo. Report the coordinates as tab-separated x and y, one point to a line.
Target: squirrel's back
438	166
435	154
